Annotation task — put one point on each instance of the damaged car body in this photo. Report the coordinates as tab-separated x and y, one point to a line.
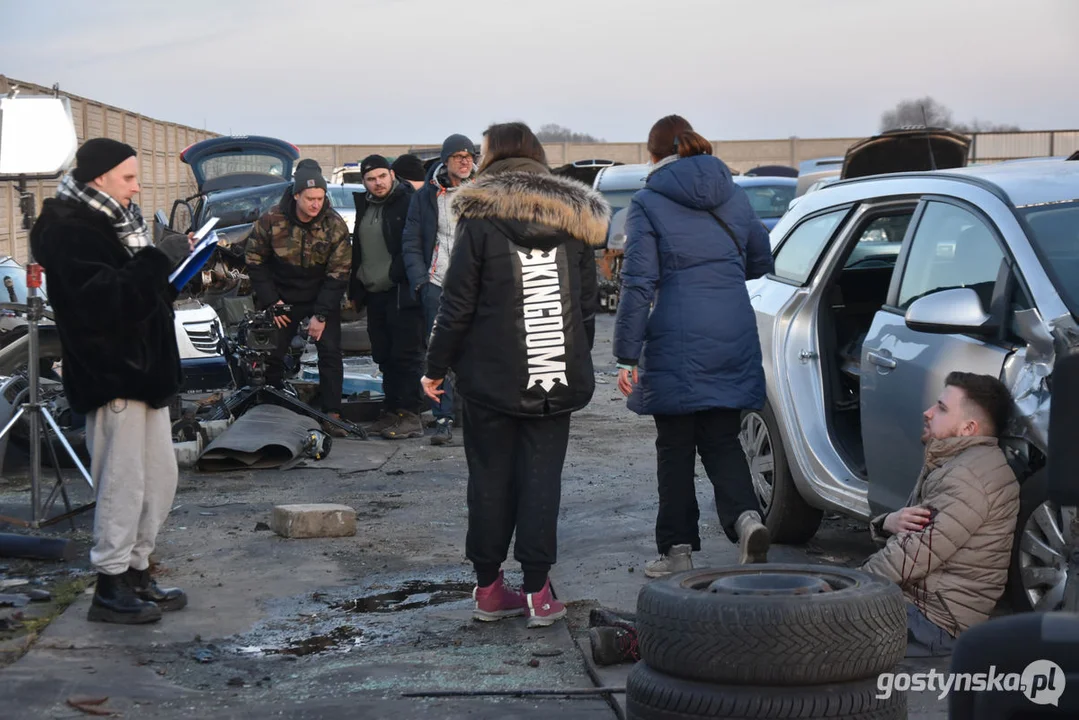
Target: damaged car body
882	286
238	178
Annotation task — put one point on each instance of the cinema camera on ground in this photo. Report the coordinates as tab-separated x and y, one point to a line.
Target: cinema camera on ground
257	336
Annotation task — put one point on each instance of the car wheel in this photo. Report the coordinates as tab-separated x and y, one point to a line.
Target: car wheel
1039	568
772	625
790	519
651	695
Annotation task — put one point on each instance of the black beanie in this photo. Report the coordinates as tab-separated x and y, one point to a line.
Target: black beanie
455	144
409	167
99	155
308	175
373	162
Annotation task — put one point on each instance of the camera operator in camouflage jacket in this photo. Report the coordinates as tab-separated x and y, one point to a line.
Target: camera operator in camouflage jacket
299	254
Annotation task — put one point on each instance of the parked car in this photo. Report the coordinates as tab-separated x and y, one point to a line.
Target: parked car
882	286
238	178
347	173
768	194
343	202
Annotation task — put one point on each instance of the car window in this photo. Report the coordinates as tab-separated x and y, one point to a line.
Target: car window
1054	232
799	252
769	201
341	198
951	248
880	242
247	207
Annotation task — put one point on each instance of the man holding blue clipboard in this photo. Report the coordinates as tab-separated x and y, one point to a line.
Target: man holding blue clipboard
110	290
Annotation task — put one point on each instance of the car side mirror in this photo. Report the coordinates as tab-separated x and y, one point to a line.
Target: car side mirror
956	310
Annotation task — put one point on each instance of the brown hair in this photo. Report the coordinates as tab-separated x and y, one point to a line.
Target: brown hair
986	393
511	140
673	135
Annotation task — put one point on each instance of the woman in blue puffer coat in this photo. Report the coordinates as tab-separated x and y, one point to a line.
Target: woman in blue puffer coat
686	337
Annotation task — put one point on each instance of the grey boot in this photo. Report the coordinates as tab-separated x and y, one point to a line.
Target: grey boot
753	538
678	559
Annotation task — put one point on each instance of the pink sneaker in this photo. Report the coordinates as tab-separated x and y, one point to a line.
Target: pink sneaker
496	601
543	608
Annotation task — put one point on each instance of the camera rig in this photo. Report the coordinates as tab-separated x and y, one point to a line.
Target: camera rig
257	338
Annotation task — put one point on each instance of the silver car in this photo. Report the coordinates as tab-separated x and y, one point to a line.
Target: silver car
882	286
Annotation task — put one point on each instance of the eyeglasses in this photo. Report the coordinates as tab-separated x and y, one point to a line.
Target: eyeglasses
462	157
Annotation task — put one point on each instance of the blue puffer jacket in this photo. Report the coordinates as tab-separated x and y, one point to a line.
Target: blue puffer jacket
698	349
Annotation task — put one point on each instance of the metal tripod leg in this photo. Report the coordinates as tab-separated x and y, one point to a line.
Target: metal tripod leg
60	486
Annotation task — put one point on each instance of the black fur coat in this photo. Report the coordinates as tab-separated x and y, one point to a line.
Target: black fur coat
113	309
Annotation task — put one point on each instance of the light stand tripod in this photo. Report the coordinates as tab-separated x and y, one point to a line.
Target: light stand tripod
38	417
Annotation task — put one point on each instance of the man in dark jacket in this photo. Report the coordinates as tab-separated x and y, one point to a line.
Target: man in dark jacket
409	168
428	243
298	254
109	288
377	280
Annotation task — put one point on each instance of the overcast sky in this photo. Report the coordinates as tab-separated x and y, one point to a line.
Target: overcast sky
413	71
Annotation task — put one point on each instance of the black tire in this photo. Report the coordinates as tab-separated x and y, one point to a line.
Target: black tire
789	518
852	631
1034	493
650	695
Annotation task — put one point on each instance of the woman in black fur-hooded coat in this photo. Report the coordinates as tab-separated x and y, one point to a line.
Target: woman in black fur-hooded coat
516	324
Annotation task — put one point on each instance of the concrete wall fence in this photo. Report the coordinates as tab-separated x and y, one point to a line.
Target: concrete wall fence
165	178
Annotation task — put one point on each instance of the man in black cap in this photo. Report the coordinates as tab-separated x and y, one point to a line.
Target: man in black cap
109	289
378	280
428	243
298	254
410	168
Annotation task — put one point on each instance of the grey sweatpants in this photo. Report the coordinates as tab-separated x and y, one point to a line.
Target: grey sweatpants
134	470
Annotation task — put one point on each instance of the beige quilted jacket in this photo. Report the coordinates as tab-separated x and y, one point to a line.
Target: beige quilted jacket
955	570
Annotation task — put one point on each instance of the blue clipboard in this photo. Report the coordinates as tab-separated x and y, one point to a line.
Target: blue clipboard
193	263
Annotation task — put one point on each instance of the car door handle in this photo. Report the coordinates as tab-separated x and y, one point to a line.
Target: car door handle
881	360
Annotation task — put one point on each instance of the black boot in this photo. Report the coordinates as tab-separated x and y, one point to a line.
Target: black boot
115	601
614	645
165	598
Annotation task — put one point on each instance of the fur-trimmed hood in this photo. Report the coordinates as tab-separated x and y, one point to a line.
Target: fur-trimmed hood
543	199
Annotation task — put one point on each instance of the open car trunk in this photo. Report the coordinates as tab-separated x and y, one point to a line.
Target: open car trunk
906	150
225	163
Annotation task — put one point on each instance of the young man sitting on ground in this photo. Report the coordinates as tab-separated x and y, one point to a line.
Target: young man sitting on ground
950	548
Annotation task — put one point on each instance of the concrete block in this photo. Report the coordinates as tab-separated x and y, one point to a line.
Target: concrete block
313	520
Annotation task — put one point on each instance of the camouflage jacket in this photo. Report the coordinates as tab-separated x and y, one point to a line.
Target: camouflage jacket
299	264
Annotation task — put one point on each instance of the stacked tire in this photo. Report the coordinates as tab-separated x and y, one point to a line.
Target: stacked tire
767	641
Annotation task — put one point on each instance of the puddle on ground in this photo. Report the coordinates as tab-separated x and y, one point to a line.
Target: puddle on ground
318	643
412	595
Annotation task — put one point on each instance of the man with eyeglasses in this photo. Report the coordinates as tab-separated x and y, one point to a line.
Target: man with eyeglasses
428	243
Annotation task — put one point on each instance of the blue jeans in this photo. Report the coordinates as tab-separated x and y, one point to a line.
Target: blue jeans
924	638
431	295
